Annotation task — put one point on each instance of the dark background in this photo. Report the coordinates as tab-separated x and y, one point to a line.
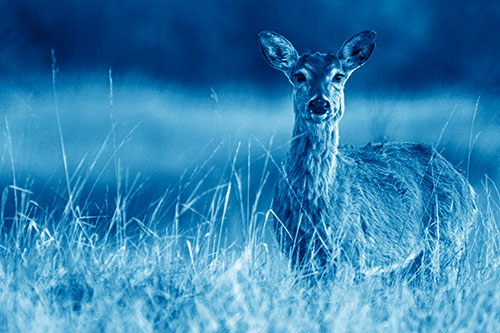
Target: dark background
421	44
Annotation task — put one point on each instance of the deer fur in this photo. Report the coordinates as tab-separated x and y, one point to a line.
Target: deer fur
379	208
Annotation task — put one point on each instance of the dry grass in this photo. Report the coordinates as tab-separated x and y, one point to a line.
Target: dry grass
61	270
200	257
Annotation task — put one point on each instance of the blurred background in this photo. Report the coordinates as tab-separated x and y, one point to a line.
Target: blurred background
421	45
190	84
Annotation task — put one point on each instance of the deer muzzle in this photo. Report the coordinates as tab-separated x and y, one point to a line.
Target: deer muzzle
319	106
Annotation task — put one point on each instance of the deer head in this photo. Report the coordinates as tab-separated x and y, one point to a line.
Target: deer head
318	79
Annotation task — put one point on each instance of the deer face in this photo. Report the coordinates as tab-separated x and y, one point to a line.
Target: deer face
318	79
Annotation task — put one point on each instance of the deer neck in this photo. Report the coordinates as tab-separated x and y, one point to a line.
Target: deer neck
313	158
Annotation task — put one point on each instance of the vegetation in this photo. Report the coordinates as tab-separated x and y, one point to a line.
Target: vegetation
62	270
201	256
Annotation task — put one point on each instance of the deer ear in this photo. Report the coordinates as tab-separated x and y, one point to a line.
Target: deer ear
356	51
278	51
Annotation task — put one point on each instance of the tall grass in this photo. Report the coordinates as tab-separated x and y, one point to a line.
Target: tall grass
202	257
61	271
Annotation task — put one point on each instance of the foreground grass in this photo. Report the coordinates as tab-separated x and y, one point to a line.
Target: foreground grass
60	272
201	257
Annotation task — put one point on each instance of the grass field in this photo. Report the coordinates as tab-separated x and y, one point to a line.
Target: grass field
160	219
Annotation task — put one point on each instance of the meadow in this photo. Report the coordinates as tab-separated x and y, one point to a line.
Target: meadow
146	207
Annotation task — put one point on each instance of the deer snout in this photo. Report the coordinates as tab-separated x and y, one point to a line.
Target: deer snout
319	106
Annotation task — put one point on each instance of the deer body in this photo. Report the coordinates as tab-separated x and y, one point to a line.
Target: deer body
379	208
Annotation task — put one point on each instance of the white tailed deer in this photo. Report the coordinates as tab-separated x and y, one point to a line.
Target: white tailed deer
380	208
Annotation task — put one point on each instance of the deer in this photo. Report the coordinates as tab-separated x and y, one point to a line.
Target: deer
382	208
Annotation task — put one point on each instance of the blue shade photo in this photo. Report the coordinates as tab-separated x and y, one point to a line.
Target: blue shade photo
249	166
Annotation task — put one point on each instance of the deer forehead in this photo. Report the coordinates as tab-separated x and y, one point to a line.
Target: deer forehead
318	64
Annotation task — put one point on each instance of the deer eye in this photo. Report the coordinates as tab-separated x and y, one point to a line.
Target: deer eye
338	77
301	78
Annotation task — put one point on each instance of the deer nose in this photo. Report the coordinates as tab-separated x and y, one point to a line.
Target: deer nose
319	106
